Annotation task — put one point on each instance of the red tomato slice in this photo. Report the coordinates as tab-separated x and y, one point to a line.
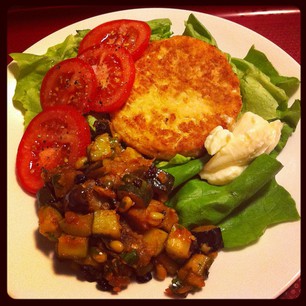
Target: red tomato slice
115	71
57	135
134	35
70	82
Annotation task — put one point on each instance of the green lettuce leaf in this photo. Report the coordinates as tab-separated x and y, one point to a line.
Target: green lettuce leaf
178	159
260	60
271	205
292	114
32	69
198	202
259	94
160	28
263	90
194	28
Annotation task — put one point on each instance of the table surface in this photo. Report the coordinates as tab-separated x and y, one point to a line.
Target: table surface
279	24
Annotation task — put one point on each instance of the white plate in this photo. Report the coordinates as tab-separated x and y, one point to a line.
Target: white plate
263	270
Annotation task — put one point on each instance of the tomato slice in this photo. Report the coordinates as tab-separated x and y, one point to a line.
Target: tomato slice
56	136
115	71
134	35
72	82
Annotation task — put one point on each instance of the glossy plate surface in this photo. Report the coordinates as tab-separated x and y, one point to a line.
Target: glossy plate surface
262	270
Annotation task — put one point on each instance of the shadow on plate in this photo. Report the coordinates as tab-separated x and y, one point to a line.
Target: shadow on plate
64	267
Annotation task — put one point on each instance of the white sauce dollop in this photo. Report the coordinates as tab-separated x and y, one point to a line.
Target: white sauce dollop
234	150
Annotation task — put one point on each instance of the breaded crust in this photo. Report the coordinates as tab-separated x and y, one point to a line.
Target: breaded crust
183	89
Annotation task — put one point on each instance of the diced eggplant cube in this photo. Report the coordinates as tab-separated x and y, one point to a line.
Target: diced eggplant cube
209	237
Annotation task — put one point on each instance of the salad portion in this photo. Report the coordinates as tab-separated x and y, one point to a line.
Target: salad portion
119	215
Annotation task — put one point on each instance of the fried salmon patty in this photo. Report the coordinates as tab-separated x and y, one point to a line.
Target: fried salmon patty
183	89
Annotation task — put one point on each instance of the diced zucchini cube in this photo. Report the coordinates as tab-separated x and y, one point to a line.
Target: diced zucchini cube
100	148
77	224
179	242
72	247
106	222
49	219
155	238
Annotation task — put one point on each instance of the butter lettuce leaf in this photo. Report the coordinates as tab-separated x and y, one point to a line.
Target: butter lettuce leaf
194	28
198	202
178	159
32	69
292	114
264	91
270	206
259	94
160	28
260	60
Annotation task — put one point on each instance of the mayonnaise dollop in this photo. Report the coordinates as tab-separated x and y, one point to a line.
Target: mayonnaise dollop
233	150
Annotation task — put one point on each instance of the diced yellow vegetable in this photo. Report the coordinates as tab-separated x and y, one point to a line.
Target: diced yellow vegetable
179	242
72	247
49	219
77	224
155	238
100	148
106	222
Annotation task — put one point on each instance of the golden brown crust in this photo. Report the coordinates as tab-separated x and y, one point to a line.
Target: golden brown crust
183	88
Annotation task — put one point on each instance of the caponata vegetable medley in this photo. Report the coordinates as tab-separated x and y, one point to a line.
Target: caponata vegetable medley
108	215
